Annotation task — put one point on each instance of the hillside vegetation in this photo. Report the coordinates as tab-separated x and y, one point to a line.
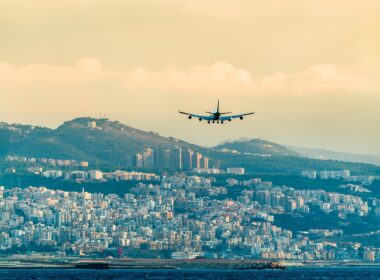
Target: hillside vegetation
109	143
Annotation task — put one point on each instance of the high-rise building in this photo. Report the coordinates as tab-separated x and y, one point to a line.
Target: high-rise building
263	197
159	158
205	163
168	159
139	160
187	159
148	158
197	160
176	158
58	219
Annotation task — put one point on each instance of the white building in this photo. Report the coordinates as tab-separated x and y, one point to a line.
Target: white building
236	170
310	174
341	174
95	174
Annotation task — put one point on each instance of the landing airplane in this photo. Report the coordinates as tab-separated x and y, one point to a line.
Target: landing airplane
216	116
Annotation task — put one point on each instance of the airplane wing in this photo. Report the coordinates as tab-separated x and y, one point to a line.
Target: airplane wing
229	118
207	118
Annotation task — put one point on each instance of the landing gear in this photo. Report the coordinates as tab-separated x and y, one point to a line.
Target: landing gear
200	119
221	122
190	117
213	121
241	117
208	122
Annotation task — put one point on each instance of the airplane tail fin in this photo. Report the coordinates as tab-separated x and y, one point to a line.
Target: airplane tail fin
217	108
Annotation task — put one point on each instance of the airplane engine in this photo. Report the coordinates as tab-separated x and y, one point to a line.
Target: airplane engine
190	117
200	119
229	120
241	117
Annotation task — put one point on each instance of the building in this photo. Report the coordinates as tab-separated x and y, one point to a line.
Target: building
139	160
205	162
83	163
236	170
187	159
341	174
148	158
176	158
92	124
159	158
95	174
197	161
310	174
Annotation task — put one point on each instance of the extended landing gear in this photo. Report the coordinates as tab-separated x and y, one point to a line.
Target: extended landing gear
221	122
208	122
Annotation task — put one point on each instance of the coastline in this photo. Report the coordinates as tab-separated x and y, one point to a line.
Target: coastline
141	264
159	264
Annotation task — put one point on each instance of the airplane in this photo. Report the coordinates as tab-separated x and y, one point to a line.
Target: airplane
217	116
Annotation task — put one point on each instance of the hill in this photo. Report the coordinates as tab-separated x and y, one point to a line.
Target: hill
82	139
327	154
256	147
110	144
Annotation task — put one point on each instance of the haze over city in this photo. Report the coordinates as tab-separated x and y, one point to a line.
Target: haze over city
310	69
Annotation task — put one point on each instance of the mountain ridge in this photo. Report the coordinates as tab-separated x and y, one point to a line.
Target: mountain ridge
256	146
110	143
325	154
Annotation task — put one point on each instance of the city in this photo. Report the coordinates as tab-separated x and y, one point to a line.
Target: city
181	217
203	139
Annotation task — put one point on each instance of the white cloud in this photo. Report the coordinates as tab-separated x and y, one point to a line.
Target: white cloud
84	71
220	78
223	78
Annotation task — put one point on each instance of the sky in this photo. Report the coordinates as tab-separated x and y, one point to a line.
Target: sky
310	69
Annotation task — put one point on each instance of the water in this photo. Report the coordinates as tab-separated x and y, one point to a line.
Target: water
362	273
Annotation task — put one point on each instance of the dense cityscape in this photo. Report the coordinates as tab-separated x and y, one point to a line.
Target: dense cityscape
181	216
177	203
157	139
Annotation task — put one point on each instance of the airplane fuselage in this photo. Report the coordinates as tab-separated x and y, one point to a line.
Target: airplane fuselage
216	116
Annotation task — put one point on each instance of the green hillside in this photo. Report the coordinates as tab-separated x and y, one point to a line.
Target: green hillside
110	143
257	147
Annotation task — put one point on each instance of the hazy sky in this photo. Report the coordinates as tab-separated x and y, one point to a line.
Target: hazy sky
310	69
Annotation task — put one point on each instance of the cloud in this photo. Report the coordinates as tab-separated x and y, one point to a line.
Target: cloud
85	71
331	78
222	77
217	78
